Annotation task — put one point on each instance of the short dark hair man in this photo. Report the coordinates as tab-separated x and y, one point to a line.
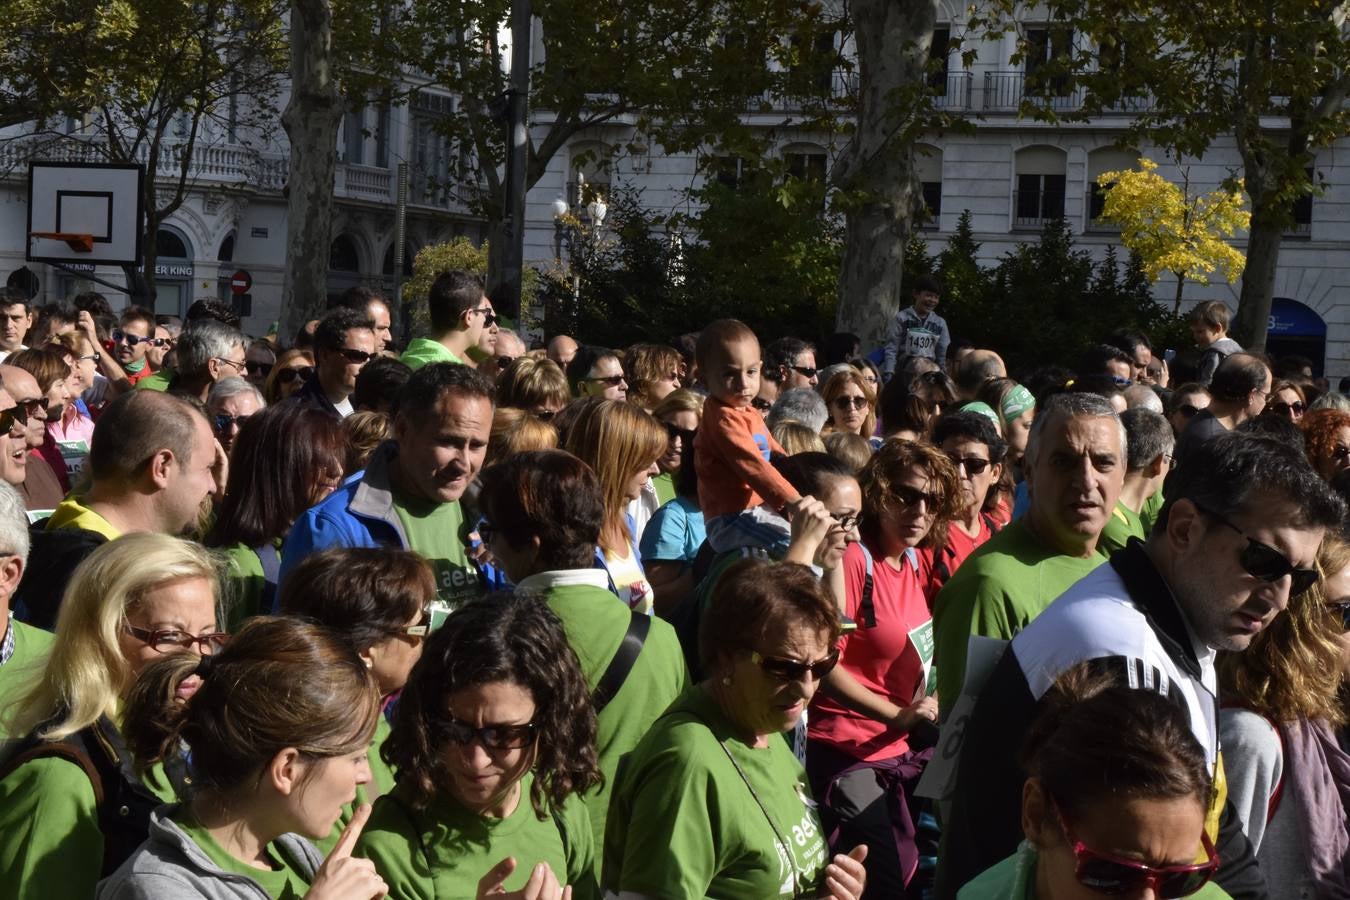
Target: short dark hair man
375	306
131	340
1237	393
460	313
1239	534
153	462
408	496
789	362
16	317
343	343
1137	346
1109	360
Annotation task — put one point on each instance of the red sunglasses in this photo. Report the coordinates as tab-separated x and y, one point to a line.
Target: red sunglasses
1109	874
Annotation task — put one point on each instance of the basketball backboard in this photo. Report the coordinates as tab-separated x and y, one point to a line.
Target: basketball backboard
99	199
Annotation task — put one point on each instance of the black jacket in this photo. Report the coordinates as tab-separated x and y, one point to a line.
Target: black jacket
311	395
1147	643
52	558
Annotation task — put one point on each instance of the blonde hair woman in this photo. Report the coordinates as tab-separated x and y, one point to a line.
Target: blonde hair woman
852	403
794	438
1287	775
517	431
621	444
70	807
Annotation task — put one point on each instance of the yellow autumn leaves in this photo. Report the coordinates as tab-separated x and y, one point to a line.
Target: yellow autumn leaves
1171	230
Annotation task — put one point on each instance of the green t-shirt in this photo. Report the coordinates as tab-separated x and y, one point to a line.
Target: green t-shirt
996	592
281	882
381	782
595	623
1015	879
1149	514
52	844
244	584
685	823
1123	525
442	851
664	484
156	382
433	531
424	351
31	646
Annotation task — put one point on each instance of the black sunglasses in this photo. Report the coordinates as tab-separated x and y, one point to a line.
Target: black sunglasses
804	371
12	416
504	361
611	380
258	368
1284	409
791	669
31	406
287	375
545	415
356	356
489	317
493	737
761	404
972	464
131	339
223	422
850	402
1265	562
1342	610
684	434
908	496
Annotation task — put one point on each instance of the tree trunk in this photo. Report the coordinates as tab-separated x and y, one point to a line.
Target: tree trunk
311	121
893	38
1258	279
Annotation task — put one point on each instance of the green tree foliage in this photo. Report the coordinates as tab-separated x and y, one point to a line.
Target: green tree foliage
765	252
1043	303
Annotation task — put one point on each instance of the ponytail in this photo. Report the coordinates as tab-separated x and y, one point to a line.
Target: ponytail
154	714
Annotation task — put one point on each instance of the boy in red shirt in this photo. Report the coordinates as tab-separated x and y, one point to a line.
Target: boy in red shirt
745	501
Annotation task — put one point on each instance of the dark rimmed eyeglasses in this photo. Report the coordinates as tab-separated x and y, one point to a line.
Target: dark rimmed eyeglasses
850	402
491	737
973	465
290	373
223	422
167	640
1107	873
238	366
794	670
131	340
360	357
848	521
1264	562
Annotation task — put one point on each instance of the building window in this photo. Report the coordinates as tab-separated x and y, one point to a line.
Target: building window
807	166
382	137
928	168
734	172
1046	44
591	172
938	59
343	255
1040	198
813	63
1105	159
1303	212
353	136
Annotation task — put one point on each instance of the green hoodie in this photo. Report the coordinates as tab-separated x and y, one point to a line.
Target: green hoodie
423	351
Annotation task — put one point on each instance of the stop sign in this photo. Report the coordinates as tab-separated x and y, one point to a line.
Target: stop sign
240	282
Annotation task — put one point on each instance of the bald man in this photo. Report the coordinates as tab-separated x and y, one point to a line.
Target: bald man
509	348
561	350
976	368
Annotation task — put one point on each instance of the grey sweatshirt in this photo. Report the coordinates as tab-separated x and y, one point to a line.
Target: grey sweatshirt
170	866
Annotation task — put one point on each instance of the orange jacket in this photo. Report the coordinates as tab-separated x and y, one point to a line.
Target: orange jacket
731	453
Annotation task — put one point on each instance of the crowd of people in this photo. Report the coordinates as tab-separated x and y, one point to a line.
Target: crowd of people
709	619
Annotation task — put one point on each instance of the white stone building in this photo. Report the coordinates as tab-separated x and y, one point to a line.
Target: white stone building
1010	172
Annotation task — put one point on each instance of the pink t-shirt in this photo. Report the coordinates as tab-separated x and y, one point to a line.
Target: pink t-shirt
892	658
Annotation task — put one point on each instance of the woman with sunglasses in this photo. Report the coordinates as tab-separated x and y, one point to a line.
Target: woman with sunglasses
881	695
1327	436
851	404
230	403
493	738
621	444
285	460
1288	777
292	370
129	603
535	385
1288	400
278	724
973	445
1116	801
712	803
676	530
908	410
377	600
1184	403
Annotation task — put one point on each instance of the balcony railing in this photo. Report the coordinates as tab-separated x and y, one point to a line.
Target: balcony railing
1033	210
1299	231
1004	91
218	163
956	90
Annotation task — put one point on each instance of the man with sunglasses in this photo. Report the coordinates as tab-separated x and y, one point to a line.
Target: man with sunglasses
40	487
1074	468
343	343
131	339
1236	539
789	363
460	313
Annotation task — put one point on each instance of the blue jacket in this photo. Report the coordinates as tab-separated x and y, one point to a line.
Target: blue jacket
360	513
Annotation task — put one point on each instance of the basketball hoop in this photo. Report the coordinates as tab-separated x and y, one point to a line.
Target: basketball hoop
80	243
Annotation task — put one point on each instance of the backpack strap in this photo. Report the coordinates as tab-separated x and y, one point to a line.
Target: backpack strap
867	612
271	566
67	750
624	659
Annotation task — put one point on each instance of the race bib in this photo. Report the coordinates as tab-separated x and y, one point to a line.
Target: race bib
922	639
920	342
73	454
